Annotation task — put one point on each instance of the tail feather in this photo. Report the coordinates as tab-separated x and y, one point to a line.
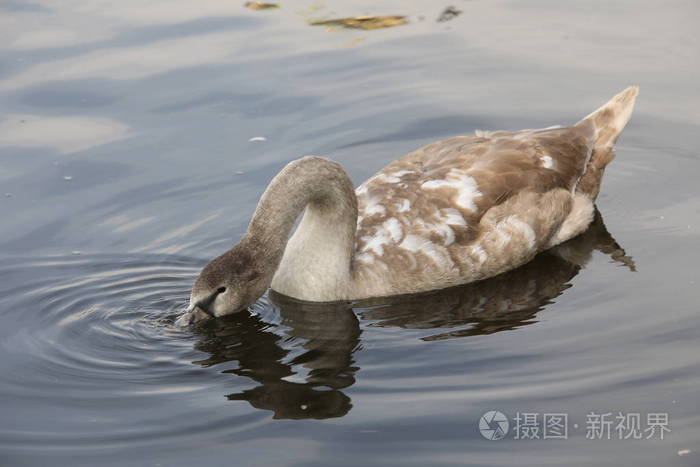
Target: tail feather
609	120
604	127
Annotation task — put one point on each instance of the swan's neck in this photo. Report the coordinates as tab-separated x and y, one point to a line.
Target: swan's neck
314	264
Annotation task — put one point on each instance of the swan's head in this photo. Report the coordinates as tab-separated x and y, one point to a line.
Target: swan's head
227	285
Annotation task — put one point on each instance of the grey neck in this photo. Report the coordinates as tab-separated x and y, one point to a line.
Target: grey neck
316	261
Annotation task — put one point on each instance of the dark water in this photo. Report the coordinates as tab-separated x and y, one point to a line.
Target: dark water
125	164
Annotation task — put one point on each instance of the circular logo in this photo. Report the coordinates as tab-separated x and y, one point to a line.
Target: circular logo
493	425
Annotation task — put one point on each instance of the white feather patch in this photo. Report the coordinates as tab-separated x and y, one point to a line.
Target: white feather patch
375	209
404	205
465	185
375	243
394	228
374	206
452	216
366	258
390	231
440	228
420	244
384	178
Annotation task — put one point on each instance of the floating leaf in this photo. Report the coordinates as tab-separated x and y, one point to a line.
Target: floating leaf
363	22
448	14
260	5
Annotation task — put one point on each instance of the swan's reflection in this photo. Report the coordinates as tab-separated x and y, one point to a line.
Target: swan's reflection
318	340
314	340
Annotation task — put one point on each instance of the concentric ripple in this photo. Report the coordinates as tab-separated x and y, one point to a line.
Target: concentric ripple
93	333
106	313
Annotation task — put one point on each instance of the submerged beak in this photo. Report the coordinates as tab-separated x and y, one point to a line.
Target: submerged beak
190	317
199	314
193	314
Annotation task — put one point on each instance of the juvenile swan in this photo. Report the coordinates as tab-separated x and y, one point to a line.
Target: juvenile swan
455	211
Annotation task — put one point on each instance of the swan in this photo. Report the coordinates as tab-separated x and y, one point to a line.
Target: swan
455	211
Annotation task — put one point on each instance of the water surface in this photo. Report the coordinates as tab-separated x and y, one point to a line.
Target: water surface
126	162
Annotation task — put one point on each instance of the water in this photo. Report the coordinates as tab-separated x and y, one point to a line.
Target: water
126	163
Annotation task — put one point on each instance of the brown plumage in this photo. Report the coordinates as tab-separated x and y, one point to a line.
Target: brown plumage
455	211
521	192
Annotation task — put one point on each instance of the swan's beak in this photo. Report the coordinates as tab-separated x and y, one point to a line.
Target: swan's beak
199	315
184	320
191	315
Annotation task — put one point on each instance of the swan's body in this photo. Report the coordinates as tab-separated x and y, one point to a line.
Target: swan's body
455	211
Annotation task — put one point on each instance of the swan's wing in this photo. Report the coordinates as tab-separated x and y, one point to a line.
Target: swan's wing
468	207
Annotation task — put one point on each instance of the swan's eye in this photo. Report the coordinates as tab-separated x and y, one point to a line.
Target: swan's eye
221	290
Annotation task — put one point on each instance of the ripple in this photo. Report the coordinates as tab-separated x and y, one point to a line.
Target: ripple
95	332
95	317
